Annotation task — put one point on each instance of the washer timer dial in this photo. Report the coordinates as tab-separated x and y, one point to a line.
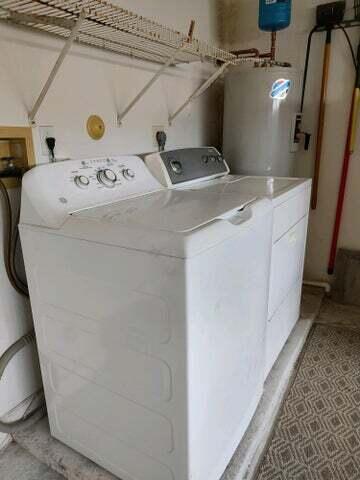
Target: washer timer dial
107	177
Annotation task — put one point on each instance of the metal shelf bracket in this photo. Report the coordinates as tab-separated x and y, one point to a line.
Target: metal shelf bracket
200	90
70	40
151	82
170	61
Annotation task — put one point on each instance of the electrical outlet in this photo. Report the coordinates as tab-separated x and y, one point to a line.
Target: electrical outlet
45	131
155	129
118	122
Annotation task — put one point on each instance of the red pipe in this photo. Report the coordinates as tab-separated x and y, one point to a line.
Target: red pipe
342	190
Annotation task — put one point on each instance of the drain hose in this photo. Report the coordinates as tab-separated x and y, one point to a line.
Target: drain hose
6	357
10	241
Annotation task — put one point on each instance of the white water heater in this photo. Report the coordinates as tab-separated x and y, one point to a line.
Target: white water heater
260	115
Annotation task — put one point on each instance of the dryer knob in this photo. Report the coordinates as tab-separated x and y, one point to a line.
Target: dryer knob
176	167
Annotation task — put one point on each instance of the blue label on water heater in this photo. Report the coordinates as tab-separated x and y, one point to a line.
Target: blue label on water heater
280	89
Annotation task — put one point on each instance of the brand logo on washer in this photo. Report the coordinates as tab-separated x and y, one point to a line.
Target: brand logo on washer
280	89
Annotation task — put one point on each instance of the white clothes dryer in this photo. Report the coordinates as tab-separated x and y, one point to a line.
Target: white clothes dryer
204	169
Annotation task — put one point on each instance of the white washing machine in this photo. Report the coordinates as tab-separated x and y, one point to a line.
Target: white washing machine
204	169
149	308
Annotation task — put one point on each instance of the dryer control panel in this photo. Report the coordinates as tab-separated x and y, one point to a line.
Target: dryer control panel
183	166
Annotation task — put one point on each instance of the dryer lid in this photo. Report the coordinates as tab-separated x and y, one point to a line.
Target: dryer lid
174	211
271	187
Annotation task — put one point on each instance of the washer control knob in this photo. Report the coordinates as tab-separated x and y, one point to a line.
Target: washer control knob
176	166
81	181
107	177
128	174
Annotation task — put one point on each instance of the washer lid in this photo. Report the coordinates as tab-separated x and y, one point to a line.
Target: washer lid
174	211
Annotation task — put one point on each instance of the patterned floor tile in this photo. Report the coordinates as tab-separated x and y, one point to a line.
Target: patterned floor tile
317	436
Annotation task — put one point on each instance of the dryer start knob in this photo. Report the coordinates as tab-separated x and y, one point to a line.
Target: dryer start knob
107	177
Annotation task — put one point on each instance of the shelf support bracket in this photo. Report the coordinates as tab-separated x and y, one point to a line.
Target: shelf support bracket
56	67
200	90
170	60
151	82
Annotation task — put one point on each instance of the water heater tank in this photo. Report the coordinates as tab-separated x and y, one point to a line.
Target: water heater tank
274	15
259	120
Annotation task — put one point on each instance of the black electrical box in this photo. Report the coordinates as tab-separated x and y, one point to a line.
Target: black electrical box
357	9
330	14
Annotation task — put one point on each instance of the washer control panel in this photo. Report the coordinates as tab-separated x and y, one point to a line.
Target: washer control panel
106	173
176	167
73	185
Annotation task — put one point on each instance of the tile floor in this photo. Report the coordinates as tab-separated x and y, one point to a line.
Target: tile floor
317	435
18	464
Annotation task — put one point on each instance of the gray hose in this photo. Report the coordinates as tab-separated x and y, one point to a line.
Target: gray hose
6	357
10	240
39	412
23	423
10	244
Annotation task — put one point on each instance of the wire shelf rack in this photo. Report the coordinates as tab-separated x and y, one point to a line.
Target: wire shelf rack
101	24
111	28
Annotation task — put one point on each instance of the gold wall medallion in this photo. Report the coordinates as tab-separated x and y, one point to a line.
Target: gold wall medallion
95	127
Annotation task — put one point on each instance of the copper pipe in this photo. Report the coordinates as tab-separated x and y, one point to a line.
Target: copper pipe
191	31
273	46
254	51
322	111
